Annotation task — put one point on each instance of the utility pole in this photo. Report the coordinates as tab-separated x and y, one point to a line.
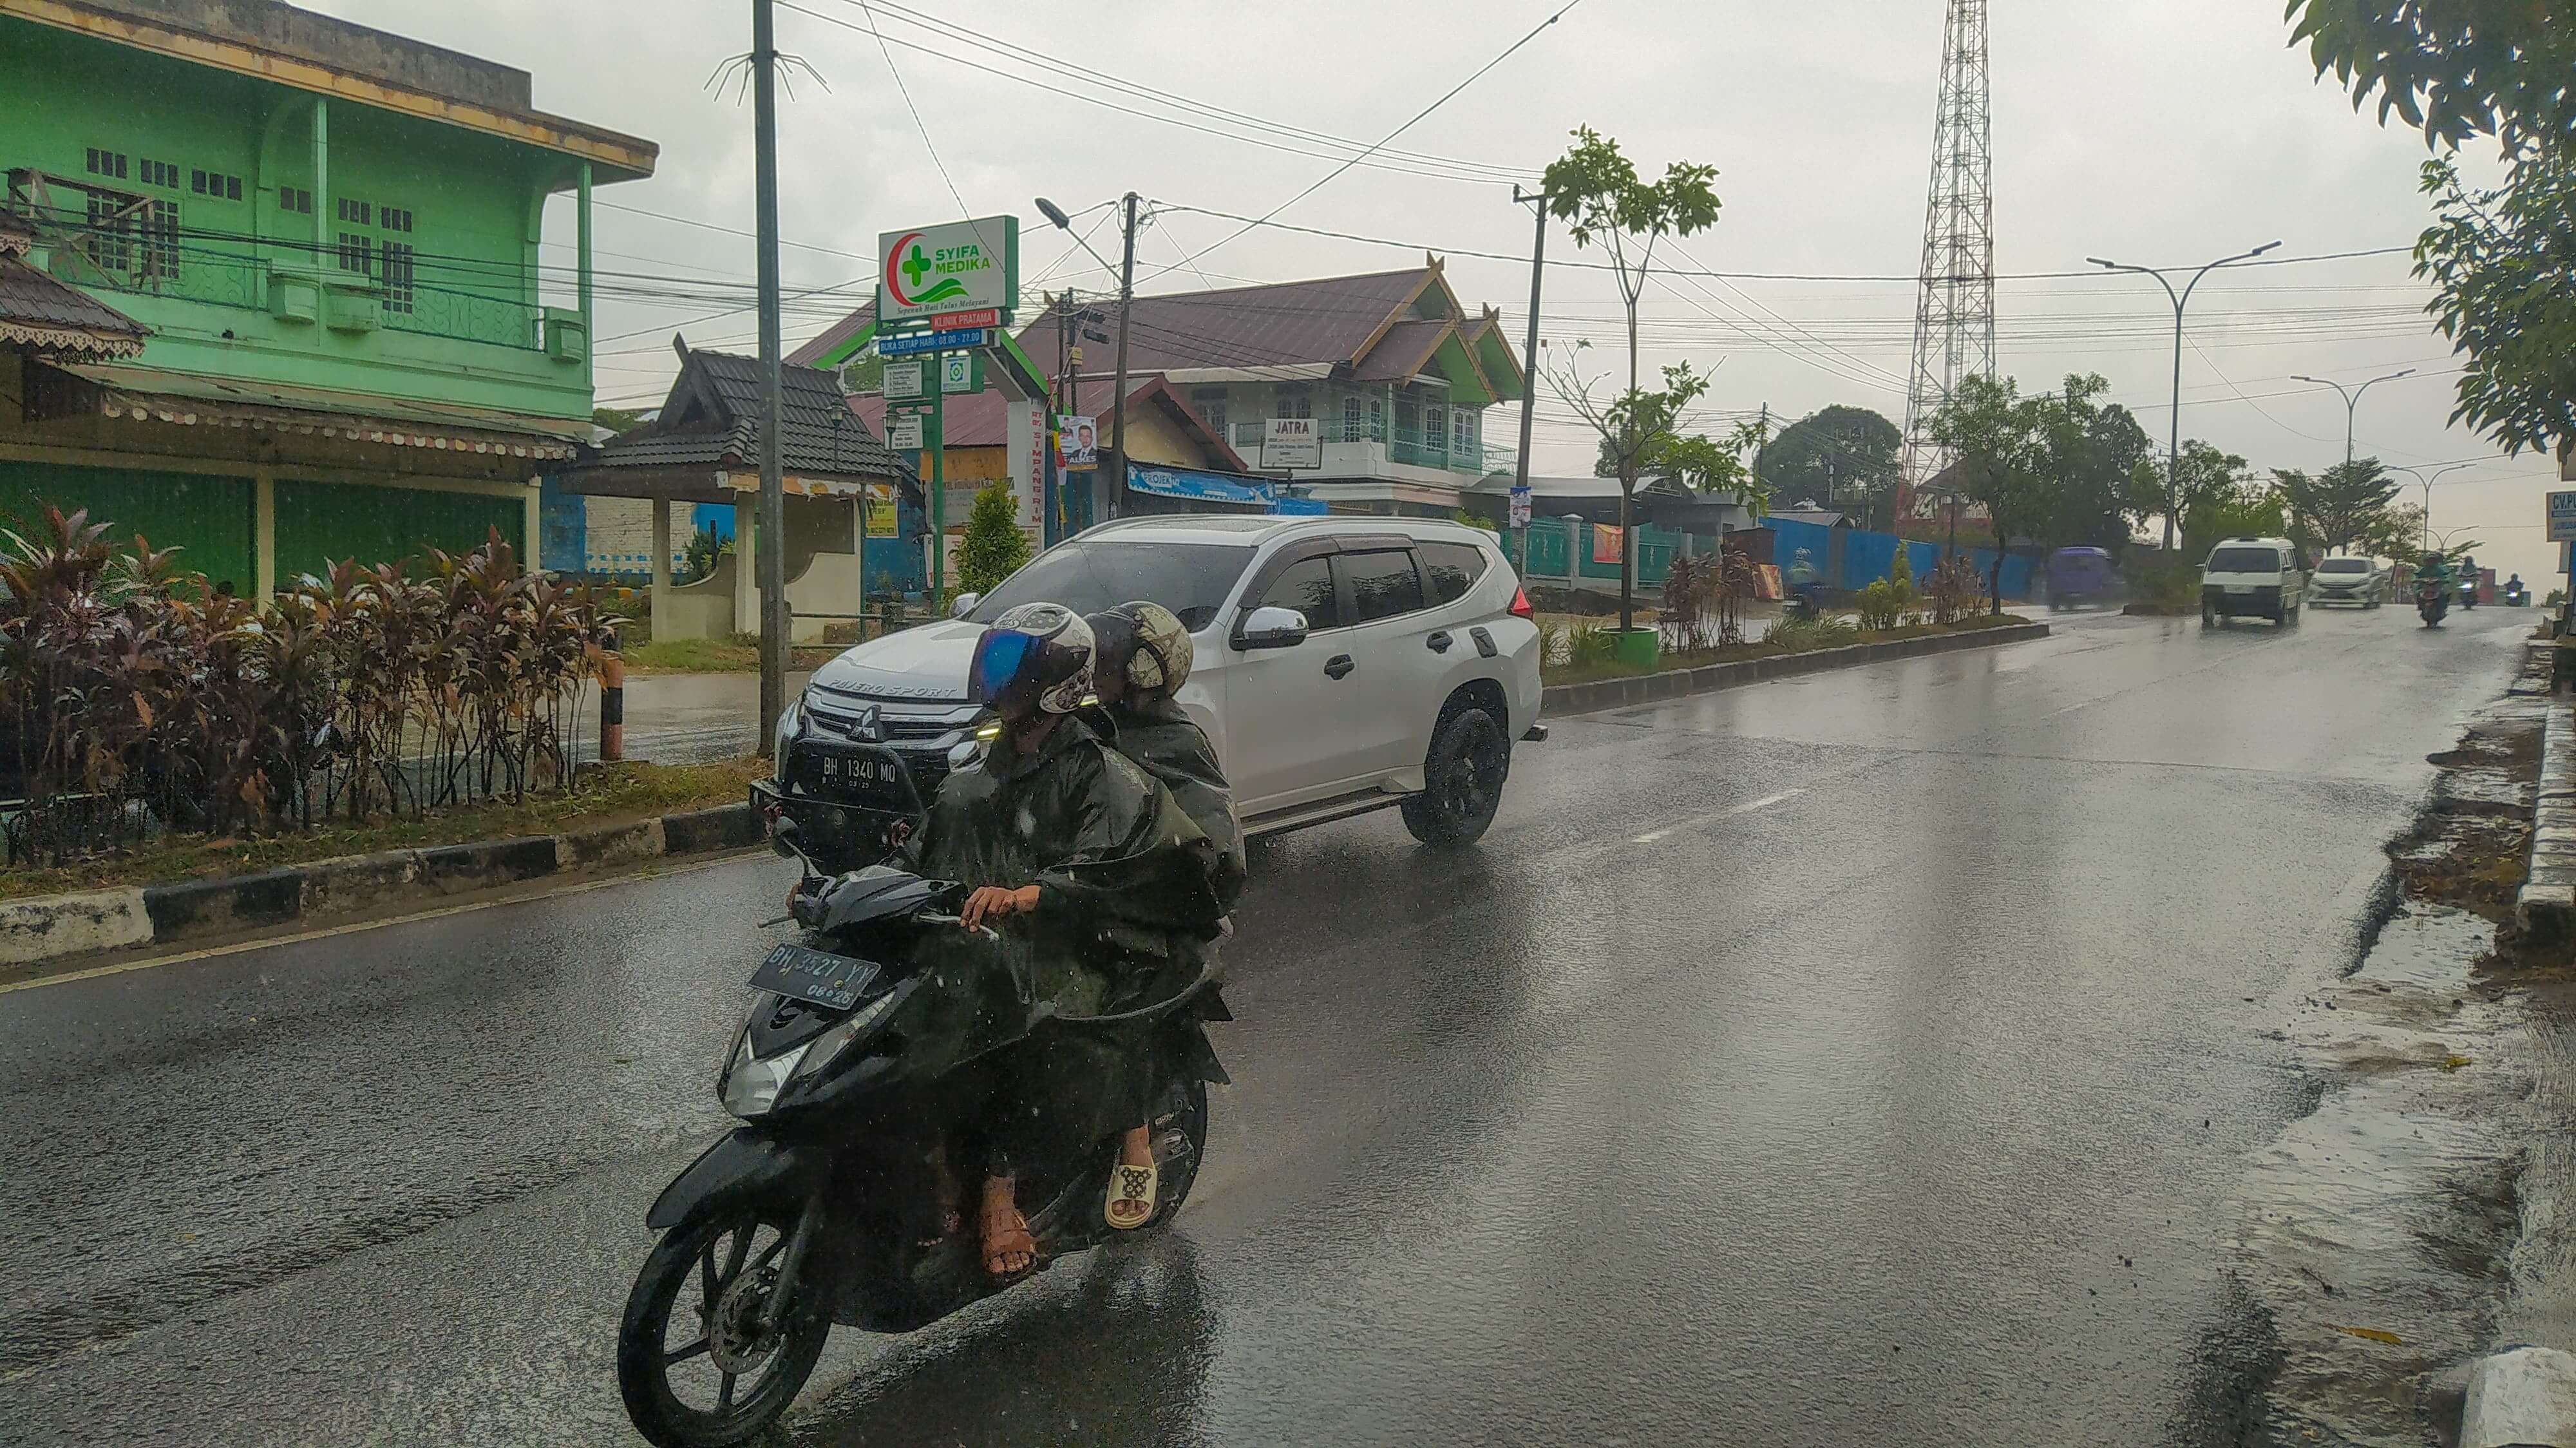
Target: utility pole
2182	299
1118	389
772	555
1529	358
2351	401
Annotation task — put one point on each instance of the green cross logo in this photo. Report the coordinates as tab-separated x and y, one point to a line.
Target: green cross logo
916	266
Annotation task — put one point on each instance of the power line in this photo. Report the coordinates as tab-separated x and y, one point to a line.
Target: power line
906	92
1443	99
1406	162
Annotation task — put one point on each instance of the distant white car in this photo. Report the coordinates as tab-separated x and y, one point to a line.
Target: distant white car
2348	580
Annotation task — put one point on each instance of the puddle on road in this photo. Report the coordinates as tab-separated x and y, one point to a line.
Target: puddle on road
2377	1236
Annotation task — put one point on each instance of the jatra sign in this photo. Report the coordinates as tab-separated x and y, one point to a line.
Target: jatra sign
963	266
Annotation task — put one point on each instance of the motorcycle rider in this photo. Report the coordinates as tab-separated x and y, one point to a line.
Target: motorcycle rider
1144	658
1089	869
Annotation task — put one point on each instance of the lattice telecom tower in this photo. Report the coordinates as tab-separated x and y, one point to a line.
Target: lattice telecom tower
1954	323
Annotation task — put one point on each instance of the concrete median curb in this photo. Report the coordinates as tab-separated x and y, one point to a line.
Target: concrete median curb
2546	907
1561	700
2521	1397
50	927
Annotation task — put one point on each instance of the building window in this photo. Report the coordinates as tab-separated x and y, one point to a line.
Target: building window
160	173
355	253
161	240
1461	430
215	184
295	198
394	218
1435	422
357	213
1294	402
397	276
1209	402
108	226
107	163
1351	420
1377	419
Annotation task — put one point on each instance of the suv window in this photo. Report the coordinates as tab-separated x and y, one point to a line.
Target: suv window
1190	579
2245	560
1455	567
1383	584
1306	586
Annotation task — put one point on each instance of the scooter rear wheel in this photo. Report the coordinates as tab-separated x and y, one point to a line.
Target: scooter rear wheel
691	1336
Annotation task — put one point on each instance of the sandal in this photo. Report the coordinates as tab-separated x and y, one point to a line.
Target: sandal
1006	1238
1131	1197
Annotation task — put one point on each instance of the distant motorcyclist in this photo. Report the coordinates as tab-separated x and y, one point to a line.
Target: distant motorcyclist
1144	658
1094	870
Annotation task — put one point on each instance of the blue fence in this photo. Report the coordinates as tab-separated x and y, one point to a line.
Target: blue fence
1850	558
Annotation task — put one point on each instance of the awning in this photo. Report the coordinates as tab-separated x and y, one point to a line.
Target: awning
194	400
1200	487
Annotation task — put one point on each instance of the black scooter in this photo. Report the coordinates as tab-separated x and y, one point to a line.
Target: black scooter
823	1207
2432	600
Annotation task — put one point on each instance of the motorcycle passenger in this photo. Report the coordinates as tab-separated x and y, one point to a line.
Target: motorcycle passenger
1085	866
1144	658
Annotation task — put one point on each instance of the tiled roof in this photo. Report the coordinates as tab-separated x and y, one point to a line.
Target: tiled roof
820	434
831	337
1404	349
1325	321
45	316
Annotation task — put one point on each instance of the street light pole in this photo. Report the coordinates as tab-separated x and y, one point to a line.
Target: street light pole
2351	400
2182	299
771	535
2427	485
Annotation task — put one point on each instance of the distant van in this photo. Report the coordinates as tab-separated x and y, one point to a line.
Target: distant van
2253	578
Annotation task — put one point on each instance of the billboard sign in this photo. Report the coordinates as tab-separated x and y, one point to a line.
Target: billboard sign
2562	515
906	381
1077	443
1291	442
913	344
963	266
903	431
1520	505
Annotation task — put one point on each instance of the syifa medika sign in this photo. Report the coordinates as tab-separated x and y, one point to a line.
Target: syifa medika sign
963	266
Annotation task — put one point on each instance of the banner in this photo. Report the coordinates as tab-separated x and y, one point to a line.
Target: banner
1605	543
1077	443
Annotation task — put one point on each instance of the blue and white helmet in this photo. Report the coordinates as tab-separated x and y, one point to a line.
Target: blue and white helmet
1044	648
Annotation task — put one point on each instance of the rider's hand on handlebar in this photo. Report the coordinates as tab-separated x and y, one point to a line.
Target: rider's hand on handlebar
992	902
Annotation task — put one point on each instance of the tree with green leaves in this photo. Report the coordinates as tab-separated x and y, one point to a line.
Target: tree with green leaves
2337	507
1997	438
2498	257
1838	456
994	547
1596	190
2210	482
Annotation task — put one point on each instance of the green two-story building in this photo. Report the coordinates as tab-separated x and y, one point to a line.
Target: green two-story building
360	342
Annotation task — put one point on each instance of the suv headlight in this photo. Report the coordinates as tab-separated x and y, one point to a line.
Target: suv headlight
791	727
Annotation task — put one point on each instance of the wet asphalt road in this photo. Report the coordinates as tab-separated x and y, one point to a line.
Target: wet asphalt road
1861	1058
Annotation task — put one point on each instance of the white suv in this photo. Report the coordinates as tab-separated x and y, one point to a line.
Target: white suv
1344	664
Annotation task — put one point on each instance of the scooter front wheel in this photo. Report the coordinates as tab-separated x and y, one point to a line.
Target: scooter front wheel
705	1359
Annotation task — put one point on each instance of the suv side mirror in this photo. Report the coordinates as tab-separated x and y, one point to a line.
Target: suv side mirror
964	604
1271	628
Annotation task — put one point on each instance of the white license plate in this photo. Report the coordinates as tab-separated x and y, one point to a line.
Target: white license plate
844	770
2240	588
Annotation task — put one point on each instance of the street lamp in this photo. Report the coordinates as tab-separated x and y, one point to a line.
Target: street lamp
1126	307
2351	400
2427	484
2173	457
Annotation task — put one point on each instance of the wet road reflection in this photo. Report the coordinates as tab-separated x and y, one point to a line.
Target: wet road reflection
1858	1058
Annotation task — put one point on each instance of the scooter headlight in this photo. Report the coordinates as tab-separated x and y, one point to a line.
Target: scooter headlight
826	1048
751	1085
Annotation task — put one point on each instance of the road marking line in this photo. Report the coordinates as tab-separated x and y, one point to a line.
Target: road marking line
1763	803
238	946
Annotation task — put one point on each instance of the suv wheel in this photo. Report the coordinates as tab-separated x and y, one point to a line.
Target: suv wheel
1462	780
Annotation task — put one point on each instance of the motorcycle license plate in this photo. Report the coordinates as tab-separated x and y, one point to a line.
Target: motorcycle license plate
814	976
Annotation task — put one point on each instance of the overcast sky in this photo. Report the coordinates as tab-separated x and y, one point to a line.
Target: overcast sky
2166	132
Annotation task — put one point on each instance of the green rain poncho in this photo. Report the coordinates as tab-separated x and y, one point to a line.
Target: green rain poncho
1124	897
1160	737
